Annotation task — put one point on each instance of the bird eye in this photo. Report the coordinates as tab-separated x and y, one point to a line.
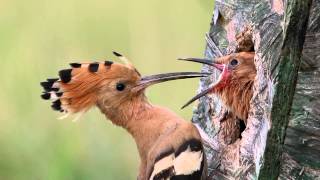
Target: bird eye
120	86
234	62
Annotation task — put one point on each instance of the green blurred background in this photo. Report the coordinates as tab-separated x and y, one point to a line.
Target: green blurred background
39	37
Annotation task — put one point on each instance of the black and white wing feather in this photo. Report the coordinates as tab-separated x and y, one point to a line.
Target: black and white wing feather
184	163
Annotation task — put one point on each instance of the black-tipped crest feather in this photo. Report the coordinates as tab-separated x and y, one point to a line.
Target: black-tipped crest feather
75	65
108	63
116	54
46	85
56	105
54	89
93	67
45	96
65	75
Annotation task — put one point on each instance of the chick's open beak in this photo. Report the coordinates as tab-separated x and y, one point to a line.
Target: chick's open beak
222	81
147	81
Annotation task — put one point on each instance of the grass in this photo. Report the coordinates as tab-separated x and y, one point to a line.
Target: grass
39	37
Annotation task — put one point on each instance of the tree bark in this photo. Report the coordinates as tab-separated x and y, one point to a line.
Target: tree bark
275	30
301	157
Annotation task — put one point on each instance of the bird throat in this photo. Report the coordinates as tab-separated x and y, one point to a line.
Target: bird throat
236	96
122	113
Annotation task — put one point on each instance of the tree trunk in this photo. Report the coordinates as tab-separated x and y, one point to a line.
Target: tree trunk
301	157
276	31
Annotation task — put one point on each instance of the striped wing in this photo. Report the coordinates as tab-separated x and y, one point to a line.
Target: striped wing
185	163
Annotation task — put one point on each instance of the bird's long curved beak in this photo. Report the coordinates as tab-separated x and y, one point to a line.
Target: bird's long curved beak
224	76
204	61
203	93
147	81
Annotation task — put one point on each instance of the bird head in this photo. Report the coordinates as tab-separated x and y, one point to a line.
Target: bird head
105	84
236	69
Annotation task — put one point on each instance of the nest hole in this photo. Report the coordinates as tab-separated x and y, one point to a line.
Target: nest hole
244	41
242	127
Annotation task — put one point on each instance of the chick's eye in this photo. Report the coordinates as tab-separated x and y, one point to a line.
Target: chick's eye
234	62
120	86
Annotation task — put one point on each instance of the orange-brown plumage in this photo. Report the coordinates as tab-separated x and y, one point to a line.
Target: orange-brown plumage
235	83
164	140
237	93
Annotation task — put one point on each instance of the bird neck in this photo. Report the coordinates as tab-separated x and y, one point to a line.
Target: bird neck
141	120
236	95
122	113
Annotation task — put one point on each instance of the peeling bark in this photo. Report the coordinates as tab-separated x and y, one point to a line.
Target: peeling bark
276	30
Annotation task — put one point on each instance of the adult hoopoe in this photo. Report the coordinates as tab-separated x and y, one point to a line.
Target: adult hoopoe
169	147
234	85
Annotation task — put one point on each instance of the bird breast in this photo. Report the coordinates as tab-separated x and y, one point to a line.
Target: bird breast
236	97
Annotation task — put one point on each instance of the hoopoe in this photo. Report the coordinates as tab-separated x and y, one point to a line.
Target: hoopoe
169	147
234	85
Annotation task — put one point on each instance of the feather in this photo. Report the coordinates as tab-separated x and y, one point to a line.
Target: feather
185	162
75	90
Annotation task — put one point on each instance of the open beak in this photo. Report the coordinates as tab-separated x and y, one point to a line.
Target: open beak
147	81
222	81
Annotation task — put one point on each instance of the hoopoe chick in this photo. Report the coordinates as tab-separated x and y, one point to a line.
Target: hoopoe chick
234	85
169	147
